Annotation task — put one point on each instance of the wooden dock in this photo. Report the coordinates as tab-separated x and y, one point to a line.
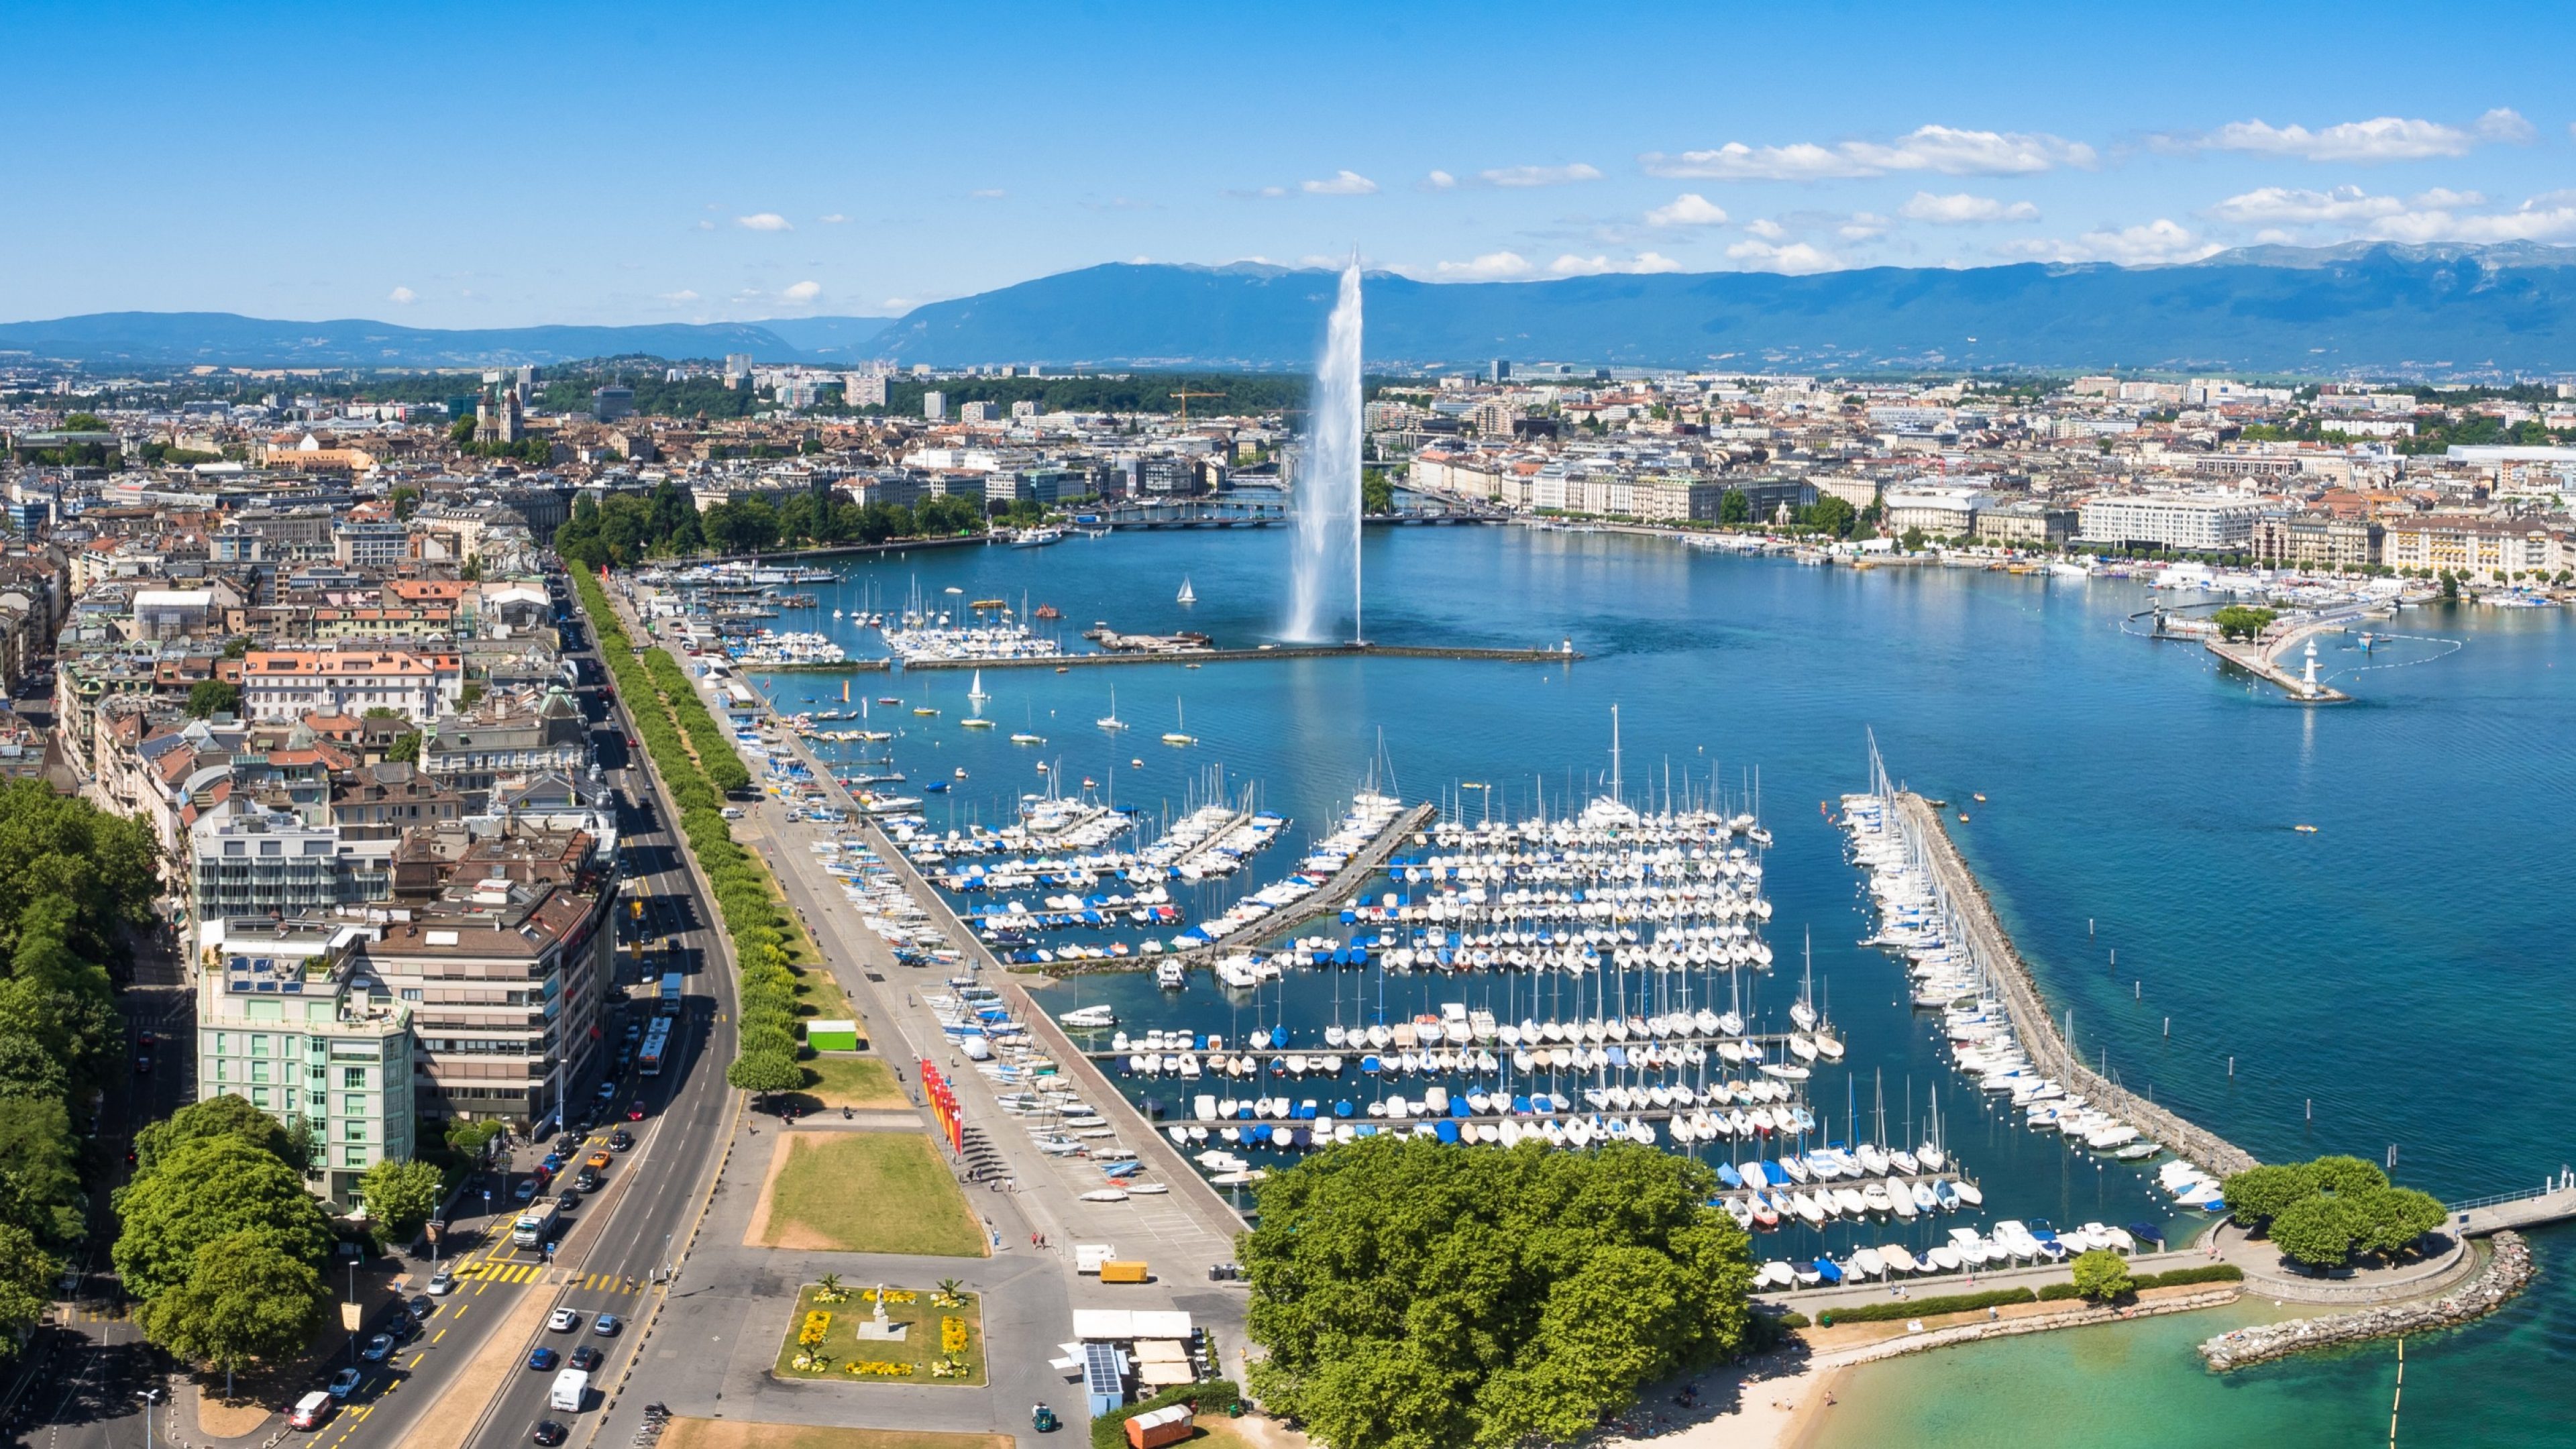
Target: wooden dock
1972	917
1242	656
1327	901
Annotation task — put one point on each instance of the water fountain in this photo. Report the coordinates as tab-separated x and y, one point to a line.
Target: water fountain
1328	482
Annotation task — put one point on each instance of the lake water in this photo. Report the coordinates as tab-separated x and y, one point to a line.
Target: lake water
2390	980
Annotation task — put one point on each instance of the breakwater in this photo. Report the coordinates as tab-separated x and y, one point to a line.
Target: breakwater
1972	915
2507	1272
1279	651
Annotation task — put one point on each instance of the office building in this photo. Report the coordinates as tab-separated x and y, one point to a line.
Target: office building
934	405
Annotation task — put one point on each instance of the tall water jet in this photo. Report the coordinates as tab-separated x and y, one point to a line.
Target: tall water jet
1328	480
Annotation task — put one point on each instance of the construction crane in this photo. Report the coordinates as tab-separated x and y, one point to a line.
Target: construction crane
1185	395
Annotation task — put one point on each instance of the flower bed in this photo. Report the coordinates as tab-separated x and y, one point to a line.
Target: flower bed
944	1344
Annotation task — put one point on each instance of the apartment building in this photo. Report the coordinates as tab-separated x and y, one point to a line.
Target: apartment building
2489	550
287	684
2315	537
290	1020
2190	522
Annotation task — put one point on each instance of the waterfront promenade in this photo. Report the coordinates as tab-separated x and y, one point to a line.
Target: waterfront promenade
1972	919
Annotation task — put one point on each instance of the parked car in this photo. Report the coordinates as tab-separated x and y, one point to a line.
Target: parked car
421	1307
442	1283
377	1347
344	1383
311	1410
526	1191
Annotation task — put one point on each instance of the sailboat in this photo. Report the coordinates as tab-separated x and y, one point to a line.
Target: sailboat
1188	595
1111	721
1803	1010
1178	734
975	691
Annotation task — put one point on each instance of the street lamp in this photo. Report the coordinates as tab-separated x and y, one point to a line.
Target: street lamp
150	1397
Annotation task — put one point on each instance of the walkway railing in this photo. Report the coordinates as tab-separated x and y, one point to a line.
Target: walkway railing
2559	1181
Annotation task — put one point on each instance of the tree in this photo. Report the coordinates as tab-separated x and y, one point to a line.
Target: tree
1377	495
26	1284
406	748
406	501
40	1160
764	1072
243	1301
400	1196
221	1115
2394	1219
2101	1275
213	696
205	1190
2316	1231
2239	621
1734	507
1912	542
1417	1297
2258	1194
2349	1176
1834	515
468	1138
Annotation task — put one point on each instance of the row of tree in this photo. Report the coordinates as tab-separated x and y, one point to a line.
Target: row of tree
629	528
1413	1296
72	880
698	765
2322	1212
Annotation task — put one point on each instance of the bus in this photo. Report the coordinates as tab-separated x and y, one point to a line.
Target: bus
657	1044
671	993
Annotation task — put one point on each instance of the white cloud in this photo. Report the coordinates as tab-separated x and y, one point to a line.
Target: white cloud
763	221
2550	218
1491	267
2294	206
835	219
403	295
1439	181
1342	183
1571	265
682	295
803	292
2157	242
1767	229
706	226
2273	235
2381	138
2445	198
2507	125
1688	209
1863	226
1539	175
1963	209
1797	258
1945	149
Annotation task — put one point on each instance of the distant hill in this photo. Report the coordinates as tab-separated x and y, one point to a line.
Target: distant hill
2327	311
2365	308
188	338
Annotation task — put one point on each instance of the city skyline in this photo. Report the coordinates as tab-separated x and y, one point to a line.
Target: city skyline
649	167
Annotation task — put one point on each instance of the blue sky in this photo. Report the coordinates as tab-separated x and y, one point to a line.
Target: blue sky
495	165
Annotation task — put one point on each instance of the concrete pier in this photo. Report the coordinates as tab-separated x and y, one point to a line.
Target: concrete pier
2263	658
1982	936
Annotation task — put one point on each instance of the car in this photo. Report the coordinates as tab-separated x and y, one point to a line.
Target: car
143	1064
631	743
586	1358
607	1093
634	1030
310	1411
606	1325
635	1112
399	1323
587	1181
343	1384
442	1283
377	1347
567	1144
542	1358
421	1307
146	1040
553	1162
597	1161
547	1432
526	1191
567	1201
563	1320
620	1140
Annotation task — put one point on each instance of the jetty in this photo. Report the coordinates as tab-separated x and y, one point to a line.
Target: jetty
1561	655
1972	919
1775	1046
2553	1201
2262	657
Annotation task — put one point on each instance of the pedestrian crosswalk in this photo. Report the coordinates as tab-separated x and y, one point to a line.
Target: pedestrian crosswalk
119	1313
487	1270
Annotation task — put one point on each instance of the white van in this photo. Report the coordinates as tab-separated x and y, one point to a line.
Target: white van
310	1411
572	1386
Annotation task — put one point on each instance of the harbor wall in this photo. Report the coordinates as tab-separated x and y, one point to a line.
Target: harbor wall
1987	942
1237	656
2506	1274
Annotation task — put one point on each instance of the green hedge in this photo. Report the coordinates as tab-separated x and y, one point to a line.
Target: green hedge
2212	1273
1923	1307
1213	1397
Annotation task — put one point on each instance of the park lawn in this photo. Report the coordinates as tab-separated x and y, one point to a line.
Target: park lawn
1216	1431
843	1080
841	1342
742	1434
870	1192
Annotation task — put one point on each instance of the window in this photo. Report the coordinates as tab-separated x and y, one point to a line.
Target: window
353	1105
411	993
259	1046
319	1073
259	1096
320	1100
353	1157
259	1073
353	1076
354	1131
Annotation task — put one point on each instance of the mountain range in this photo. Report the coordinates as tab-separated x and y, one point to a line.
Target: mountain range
2361	308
